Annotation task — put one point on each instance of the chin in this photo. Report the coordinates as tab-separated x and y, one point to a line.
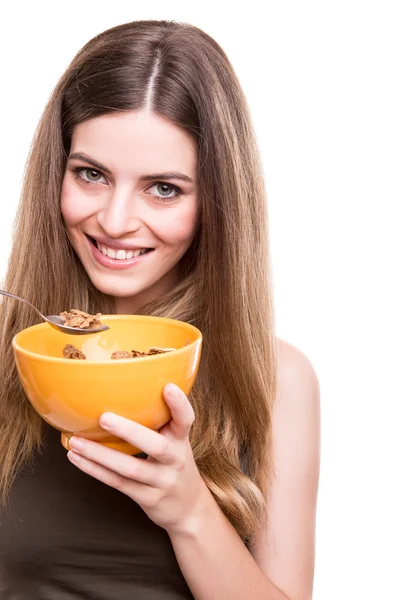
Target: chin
128	286
115	288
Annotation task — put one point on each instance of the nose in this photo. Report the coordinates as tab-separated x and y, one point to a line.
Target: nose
120	214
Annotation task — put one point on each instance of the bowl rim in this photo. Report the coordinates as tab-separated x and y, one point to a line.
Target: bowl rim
55	359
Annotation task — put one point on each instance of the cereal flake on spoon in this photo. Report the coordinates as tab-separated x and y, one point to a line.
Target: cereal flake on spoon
80	319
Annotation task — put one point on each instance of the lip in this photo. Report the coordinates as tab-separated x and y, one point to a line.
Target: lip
113	263
116	244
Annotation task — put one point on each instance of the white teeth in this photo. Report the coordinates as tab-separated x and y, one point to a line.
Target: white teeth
120	254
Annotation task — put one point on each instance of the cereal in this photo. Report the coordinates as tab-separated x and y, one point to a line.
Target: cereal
70	351
154	350
81	320
137	354
120	354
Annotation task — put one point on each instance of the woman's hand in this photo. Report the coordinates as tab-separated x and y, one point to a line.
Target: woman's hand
168	485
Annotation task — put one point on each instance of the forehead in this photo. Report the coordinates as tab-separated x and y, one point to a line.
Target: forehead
136	141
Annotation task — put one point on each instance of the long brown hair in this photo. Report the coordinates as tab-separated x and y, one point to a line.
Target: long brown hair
182	74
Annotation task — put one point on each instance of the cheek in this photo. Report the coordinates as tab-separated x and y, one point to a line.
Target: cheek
178	227
73	210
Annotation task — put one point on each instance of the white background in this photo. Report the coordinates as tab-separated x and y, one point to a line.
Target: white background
321	80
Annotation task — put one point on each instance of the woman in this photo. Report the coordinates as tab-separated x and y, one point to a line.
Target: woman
144	194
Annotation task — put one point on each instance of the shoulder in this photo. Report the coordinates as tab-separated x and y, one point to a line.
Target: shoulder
296	411
297	382
293	366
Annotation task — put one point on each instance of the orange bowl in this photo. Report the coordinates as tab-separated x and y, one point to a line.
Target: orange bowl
72	394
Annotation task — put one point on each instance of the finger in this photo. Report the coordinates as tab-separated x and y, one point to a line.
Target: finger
124	465
133	489
149	441
182	414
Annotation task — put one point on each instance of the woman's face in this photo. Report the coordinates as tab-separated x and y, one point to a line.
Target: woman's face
129	203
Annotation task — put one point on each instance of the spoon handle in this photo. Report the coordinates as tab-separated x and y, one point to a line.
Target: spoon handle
23	300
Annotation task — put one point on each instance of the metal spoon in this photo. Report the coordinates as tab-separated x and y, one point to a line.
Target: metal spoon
57	321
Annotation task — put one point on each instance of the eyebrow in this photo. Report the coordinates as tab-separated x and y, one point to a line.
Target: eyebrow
97	165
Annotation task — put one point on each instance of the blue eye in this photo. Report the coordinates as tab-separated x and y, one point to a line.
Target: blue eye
92	175
89	175
166	191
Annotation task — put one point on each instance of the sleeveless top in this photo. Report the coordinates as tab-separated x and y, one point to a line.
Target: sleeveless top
66	536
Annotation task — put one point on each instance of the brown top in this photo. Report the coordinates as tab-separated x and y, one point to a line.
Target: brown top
67	536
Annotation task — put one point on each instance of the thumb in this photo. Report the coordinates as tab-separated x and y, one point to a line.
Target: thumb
182	414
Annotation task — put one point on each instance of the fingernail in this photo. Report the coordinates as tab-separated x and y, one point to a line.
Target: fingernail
74	458
76	443
108	420
171	390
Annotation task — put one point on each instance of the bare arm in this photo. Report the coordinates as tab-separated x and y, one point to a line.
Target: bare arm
213	559
168	486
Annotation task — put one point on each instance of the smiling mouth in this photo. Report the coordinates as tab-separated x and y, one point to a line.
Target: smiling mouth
117	254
